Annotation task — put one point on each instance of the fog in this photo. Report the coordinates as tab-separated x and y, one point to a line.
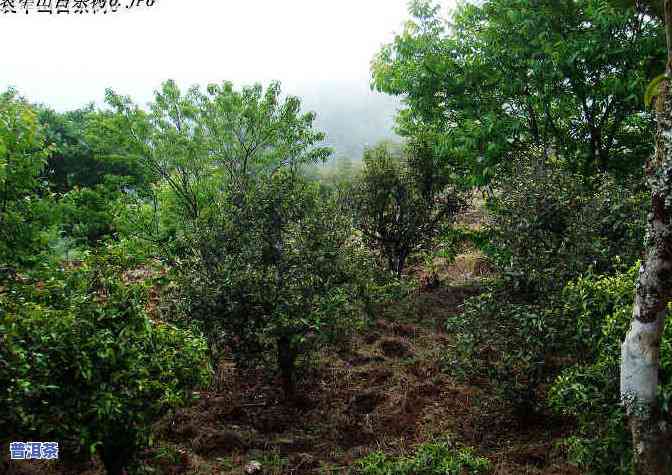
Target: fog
319	49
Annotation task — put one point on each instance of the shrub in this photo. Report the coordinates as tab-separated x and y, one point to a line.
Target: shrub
432	458
551	226
601	308
402	202
265	260
276	273
91	370
548	227
510	344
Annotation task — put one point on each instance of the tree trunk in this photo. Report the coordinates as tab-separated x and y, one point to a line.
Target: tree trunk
640	353
116	456
639	373
286	363
398	262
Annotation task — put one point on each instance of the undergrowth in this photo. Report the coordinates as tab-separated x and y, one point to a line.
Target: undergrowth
431	458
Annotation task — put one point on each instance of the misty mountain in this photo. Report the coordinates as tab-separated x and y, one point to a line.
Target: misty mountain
351	115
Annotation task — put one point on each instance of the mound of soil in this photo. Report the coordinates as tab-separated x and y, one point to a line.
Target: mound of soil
395	348
211	441
366	402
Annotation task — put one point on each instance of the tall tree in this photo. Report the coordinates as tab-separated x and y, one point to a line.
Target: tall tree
84	152
640	357
197	140
536	78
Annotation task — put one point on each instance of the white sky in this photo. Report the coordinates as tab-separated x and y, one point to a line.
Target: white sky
66	62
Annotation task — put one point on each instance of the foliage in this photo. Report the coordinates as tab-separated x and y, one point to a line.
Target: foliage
430	458
197	141
549	226
601	307
81	363
87	213
264	259
402	203
25	221
511	344
153	224
527	79
201	146
454	239
90	167
85	152
277	273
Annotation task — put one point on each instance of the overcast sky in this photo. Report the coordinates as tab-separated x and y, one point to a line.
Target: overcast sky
66	61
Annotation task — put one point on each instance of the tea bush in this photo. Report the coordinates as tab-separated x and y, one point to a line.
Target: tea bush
508	343
27	221
601	308
401	203
548	227
88	368
275	274
551	226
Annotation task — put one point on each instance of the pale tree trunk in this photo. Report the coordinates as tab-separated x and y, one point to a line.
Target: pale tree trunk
640	353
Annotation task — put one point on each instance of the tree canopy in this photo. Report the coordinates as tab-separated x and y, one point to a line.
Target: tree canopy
545	79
